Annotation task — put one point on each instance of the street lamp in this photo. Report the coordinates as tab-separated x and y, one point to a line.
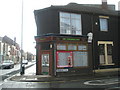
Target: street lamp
21	66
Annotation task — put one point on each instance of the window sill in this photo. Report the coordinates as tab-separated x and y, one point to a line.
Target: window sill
107	64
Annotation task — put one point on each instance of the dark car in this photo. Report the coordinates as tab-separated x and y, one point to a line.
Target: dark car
7	64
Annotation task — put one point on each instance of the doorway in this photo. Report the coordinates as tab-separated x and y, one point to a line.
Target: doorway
45	63
105	52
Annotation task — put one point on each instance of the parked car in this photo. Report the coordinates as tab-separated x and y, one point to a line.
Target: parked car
24	61
7	64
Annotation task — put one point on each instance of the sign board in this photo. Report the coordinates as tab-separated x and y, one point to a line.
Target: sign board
90	37
71	39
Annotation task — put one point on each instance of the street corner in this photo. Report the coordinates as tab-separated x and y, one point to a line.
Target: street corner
12	78
37	78
22	78
30	78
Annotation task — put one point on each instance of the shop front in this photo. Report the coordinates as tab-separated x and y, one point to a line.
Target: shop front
63	55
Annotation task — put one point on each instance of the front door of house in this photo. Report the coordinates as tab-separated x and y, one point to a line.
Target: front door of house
105	52
45	63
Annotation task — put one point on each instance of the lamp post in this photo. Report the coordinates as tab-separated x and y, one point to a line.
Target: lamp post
21	66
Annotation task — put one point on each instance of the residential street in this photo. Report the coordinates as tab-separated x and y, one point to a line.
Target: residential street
64	82
5	73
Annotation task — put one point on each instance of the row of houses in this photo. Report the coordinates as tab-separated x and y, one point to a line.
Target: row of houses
63	33
10	50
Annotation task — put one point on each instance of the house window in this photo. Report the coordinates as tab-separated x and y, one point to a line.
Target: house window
103	24
70	23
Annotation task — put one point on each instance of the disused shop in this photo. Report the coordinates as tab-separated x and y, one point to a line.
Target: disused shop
63	55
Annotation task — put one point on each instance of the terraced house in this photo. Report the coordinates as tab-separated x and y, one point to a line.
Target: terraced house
76	38
9	50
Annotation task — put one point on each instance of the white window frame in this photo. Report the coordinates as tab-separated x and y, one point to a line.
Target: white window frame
70	30
105	49
103	26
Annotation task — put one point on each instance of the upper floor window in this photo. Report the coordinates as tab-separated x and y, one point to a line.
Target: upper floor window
70	23
103	23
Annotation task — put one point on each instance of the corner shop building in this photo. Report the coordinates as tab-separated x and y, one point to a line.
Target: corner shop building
63	55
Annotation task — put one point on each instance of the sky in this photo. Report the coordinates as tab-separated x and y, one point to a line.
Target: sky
11	18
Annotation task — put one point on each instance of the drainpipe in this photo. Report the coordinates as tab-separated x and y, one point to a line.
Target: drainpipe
54	58
92	21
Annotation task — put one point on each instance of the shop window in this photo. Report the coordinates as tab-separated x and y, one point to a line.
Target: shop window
80	59
70	23
72	47
61	47
64	59
82	47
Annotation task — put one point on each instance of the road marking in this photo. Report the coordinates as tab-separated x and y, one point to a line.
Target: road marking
100	82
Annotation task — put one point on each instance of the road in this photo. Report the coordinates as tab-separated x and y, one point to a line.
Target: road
16	67
55	84
5	73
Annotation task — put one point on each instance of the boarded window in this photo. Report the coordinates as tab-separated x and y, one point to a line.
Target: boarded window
64	59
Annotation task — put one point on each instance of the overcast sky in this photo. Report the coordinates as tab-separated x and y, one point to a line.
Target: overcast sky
10	18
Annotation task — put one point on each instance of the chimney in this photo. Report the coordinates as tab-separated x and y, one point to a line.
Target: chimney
104	4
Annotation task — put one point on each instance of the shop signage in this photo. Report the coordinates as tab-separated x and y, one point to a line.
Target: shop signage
42	39
62	70
45	39
71	39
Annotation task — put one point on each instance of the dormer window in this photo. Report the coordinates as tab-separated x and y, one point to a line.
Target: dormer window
70	23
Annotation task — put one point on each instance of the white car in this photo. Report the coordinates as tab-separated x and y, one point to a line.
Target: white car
7	64
24	61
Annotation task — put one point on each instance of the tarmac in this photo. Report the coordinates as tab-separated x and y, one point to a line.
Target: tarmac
97	74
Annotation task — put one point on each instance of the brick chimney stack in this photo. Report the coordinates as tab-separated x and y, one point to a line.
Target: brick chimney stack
104	4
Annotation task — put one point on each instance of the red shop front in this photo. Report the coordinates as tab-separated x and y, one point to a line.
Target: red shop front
63	55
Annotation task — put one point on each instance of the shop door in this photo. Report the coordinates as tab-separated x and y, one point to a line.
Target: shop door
105	53
45	63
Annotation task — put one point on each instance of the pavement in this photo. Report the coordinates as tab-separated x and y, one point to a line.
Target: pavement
98	74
